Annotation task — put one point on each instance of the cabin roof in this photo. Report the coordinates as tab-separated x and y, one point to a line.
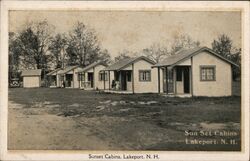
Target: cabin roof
54	71
31	72
185	54
125	62
92	65
67	69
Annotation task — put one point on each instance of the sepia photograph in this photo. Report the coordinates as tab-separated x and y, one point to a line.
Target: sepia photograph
125	80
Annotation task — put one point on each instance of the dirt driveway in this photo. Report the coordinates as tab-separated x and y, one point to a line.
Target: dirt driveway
66	119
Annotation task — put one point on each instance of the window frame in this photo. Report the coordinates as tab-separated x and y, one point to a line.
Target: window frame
142	71
213	67
101	75
80	76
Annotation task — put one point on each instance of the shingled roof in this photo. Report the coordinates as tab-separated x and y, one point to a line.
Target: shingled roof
92	66
54	71
185	54
67	69
125	62
31	72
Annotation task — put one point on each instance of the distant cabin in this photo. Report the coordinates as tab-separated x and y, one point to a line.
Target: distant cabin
91	77
196	72
31	78
131	75
66	77
54	78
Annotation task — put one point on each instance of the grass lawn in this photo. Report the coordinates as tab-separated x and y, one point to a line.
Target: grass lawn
86	120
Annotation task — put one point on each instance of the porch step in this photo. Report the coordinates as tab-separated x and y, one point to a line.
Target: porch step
177	95
118	92
87	89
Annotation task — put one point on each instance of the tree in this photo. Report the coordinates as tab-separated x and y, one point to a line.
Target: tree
156	52
14	56
122	55
33	43
183	42
222	46
105	56
236	58
57	48
83	46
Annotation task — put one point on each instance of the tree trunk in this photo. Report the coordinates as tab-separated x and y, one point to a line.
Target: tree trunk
84	56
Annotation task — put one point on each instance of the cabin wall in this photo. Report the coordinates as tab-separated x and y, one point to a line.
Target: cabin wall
222	86
31	81
58	80
76	83
147	86
86	73
97	82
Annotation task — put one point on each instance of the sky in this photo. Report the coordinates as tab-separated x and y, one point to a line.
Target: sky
136	30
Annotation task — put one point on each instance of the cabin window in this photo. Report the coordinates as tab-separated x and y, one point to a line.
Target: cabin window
103	76
144	75
178	74
207	73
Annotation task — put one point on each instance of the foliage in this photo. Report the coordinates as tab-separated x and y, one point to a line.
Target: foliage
32	44
57	48
236	58
105	56
36	47
83	46
223	46
123	55
14	51
183	41
156	52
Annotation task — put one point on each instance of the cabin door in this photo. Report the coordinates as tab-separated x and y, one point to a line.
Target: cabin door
61	81
123	80
52	80
69	79
186	80
91	79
